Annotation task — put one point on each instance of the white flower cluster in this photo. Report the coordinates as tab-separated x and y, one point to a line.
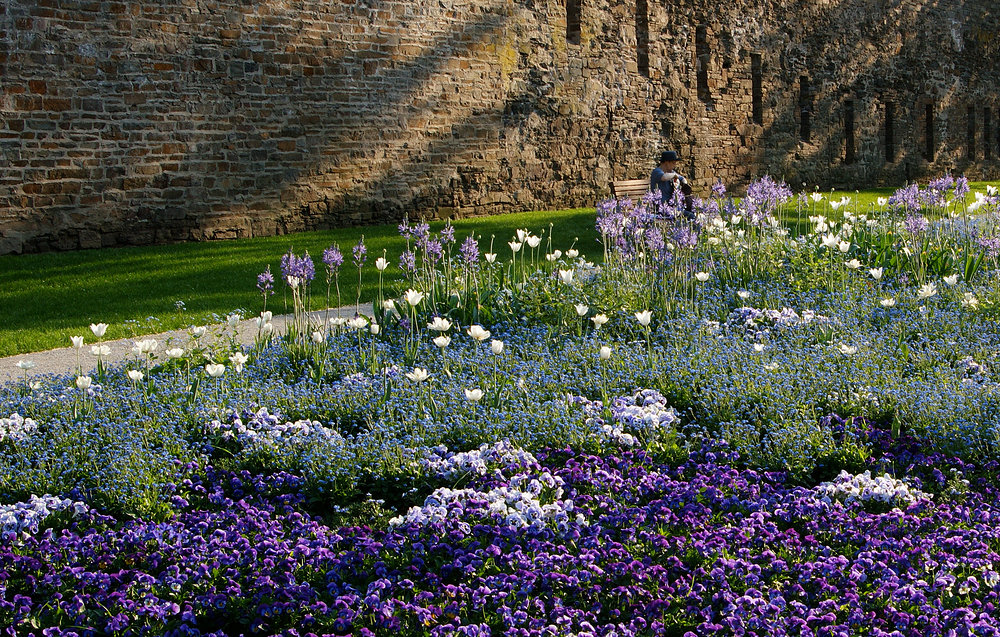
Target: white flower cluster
519	505
501	456
25	517
864	488
972	371
17	428
364	380
644	414
759	323
264	427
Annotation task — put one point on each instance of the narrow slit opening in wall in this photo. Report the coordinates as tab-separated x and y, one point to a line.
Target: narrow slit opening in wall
702	55
890	131
970	133
987	133
573	21
805	109
757	89
642	36
929	132
849	132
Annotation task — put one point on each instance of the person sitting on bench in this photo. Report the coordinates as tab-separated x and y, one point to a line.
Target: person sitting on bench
667	180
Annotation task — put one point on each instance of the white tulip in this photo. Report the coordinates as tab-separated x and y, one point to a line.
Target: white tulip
215	369
357	323
77	341
927	291
599	320
413	297
439	324
381	264
478	333
533	241
83	382
318	337
233	320
882	201
876	273
702	276
490	257
644	317
848	350
844	246
816	197
25	365
266	316
375	328
951	280
238	359
174	352
442	341
604	353
581	309
514	246
418	375
890	302
497	347
135	375
474	395
100	350
572	253
98	329
566	276
853	264
198	332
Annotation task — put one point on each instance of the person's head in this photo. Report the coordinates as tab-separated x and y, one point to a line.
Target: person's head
669	160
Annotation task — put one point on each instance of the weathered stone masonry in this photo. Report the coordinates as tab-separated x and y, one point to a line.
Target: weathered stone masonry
166	120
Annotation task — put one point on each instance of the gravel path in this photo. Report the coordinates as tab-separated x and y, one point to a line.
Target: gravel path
64	360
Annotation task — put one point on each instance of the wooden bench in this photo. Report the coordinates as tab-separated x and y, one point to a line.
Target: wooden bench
634	189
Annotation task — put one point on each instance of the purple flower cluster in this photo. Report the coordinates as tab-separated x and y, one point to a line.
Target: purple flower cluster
470	251
265	282
300	268
360	253
915	224
763	198
636	547
991	245
906	199
333	259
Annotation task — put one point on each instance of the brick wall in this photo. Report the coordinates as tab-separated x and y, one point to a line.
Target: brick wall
171	120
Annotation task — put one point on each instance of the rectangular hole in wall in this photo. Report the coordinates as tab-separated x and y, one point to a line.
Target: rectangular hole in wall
702	55
970	133
987	133
642	36
757	89
805	109
890	132
573	10
929	132
849	132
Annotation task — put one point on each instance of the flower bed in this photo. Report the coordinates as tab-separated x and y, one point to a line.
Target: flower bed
723	429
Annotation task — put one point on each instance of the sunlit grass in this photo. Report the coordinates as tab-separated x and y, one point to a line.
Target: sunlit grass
46	298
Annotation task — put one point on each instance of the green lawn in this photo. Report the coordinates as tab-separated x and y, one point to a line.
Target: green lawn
46	298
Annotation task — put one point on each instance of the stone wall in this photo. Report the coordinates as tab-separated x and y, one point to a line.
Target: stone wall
129	122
